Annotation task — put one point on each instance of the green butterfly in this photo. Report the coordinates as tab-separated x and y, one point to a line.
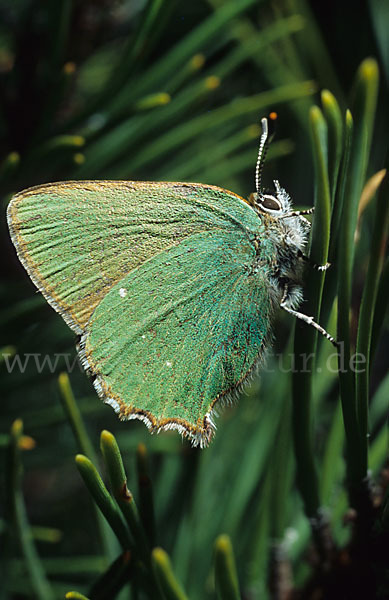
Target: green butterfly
171	287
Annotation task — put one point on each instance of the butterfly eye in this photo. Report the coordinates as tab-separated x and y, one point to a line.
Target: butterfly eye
270	203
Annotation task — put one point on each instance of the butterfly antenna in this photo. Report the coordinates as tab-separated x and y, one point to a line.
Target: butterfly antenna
264	142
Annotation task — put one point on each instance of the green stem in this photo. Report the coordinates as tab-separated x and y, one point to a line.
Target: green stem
169	586
85	446
204	122
366	315
381	307
337	207
39	583
226	578
75	418
341	187
103	499
122	494
335	137
365	102
131	51
305	338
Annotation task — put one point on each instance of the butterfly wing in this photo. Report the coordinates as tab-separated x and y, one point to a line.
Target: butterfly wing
77	239
180	333
158	280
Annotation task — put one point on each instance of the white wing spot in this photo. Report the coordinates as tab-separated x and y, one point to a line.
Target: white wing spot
168	363
122	292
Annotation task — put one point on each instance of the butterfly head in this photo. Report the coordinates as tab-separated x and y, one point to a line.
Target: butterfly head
277	205
261	201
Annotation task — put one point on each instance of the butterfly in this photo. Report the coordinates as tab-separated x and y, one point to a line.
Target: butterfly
170	287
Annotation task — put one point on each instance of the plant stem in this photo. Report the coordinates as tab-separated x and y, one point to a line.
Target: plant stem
39	583
365	102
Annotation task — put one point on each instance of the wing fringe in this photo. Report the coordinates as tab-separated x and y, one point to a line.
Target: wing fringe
198	436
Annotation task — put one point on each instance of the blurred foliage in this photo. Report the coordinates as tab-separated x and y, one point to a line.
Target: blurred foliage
167	90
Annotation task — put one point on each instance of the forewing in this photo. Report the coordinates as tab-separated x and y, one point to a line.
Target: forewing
180	332
78	239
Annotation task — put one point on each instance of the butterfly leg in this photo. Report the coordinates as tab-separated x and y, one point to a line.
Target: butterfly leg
306	259
309	320
298	213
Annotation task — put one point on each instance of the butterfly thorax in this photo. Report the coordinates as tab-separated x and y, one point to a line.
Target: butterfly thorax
280	247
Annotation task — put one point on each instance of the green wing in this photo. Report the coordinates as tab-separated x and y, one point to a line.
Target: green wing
77	239
158	280
180	333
